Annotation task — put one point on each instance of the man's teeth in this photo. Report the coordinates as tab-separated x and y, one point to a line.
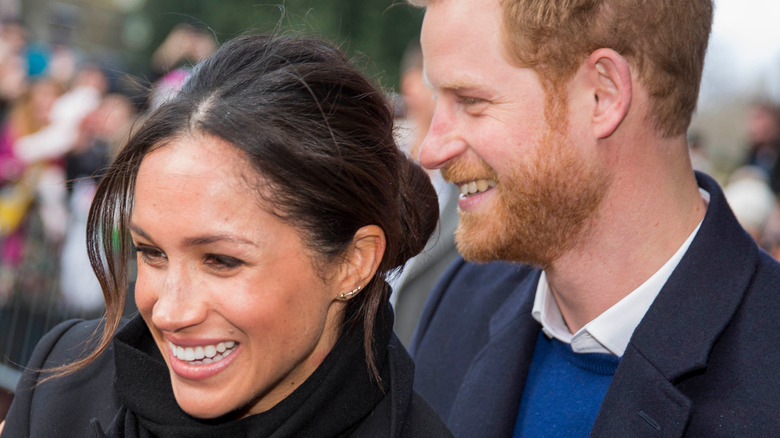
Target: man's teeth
203	354
477	186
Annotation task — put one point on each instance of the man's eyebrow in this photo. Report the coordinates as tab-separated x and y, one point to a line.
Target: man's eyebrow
200	240
458	85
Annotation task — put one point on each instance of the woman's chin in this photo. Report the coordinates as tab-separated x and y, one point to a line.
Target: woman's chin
202	405
202	411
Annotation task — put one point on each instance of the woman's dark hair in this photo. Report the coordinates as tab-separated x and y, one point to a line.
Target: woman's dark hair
315	129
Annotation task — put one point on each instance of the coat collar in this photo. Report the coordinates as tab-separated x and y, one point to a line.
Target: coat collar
677	334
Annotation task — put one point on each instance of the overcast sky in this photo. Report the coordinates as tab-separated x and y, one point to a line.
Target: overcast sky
744	49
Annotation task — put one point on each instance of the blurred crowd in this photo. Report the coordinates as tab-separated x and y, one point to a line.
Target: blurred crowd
752	186
63	115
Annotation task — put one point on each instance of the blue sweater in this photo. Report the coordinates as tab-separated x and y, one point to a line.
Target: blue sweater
563	391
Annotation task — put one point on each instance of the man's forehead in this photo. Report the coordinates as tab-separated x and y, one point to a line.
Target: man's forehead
459	33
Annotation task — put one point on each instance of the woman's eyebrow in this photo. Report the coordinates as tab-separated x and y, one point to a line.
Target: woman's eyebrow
138	230
200	240
212	238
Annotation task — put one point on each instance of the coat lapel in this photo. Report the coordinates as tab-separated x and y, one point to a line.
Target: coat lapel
676	335
490	395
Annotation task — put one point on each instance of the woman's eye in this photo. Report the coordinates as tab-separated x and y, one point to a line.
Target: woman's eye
150	255
222	262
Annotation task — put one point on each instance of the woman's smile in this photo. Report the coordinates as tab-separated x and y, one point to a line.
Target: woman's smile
201	355
202	362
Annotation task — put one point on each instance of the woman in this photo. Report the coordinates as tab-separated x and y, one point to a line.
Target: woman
266	203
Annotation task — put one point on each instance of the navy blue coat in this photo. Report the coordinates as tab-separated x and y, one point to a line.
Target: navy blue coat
703	362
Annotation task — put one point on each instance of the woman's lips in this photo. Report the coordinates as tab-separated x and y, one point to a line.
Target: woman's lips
202	361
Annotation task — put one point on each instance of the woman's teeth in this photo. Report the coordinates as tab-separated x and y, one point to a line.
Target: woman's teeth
202	355
478	186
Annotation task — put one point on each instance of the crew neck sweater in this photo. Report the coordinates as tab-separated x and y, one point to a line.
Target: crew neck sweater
563	390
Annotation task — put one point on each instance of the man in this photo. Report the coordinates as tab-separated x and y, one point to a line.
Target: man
623	298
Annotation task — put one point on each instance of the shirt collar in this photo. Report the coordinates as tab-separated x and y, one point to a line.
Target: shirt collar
611	331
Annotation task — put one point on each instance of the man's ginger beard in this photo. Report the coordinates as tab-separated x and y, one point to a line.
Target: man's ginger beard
540	211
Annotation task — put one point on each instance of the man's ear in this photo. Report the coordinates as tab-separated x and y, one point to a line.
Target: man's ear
362	259
609	76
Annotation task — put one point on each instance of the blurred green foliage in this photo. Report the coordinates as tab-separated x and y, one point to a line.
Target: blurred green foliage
374	33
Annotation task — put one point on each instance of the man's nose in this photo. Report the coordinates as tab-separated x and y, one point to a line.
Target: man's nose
444	140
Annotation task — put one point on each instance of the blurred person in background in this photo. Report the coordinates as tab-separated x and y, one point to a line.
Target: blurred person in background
13	65
763	132
412	286
102	131
60	136
19	177
752	200
54	141
183	47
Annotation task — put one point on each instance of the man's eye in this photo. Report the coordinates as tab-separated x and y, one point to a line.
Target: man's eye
222	262
470	100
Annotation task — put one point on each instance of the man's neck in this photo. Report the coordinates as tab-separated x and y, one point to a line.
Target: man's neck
641	225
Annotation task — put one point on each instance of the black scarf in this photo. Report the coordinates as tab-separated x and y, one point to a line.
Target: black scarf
332	402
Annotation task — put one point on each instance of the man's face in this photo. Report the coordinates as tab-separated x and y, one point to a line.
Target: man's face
527	191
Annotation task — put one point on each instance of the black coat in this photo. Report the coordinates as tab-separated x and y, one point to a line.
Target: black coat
91	402
703	361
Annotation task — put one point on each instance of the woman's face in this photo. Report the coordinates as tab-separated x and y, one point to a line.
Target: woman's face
228	291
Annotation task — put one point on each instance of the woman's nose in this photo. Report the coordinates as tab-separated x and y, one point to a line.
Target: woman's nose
180	302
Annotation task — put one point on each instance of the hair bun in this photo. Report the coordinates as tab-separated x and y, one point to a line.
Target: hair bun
419	209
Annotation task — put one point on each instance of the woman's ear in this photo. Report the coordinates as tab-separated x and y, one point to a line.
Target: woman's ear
362	260
609	76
